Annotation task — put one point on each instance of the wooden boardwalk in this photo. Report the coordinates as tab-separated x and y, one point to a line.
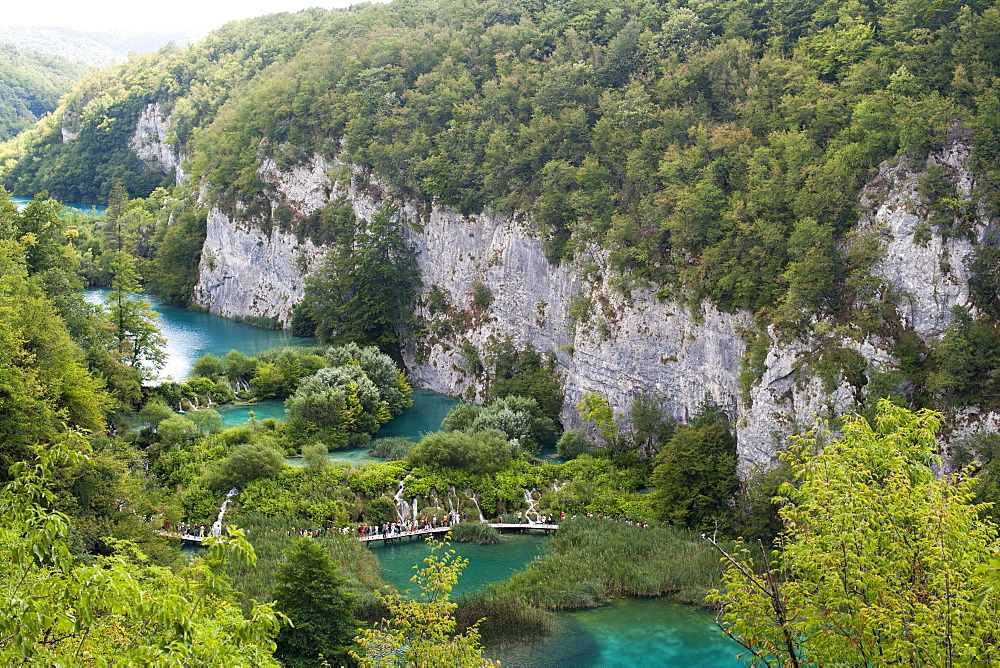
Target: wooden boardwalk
186	537
390	537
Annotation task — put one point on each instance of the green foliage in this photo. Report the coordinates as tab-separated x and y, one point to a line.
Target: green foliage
249	462
176	254
695	474
315	456
113	609
475	532
572	443
393	448
362	291
45	383
309	591
523	373
476	452
482	296
140	345
591	560
689	142
595	409
32	84
272	538
876	551
421	631
966	360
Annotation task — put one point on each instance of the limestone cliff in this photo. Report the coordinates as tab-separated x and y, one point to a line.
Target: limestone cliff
150	142
618	344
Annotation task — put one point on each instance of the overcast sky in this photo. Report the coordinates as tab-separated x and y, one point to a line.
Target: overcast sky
145	15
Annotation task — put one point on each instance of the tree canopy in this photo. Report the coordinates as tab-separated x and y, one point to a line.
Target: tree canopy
879	560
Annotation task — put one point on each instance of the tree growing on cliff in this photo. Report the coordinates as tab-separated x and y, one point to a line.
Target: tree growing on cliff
362	291
880	559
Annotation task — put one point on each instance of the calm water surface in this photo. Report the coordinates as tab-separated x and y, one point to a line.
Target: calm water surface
191	334
628	633
92	209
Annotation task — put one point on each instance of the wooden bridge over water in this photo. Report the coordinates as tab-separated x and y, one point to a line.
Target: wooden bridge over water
185	537
391	537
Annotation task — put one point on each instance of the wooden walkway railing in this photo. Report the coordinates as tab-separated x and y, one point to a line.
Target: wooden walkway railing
389	537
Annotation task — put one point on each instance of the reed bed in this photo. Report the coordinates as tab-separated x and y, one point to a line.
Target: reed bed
592	560
504	614
395	448
475	532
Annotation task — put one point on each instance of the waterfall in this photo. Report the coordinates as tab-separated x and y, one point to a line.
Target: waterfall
529	498
414	509
402	508
217	526
475	499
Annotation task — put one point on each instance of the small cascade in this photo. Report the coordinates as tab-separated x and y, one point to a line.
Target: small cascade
475	499
402	507
217	525
529	498
237	385
414	516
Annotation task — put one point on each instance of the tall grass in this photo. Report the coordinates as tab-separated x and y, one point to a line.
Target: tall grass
475	532
505	615
591	561
394	448
272	536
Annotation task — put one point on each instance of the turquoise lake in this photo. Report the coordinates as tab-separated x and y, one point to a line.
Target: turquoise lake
629	633
191	334
92	209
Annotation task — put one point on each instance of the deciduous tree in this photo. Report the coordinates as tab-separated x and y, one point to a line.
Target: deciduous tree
879	560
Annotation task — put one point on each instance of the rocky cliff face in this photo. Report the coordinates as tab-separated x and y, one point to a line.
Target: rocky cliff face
604	341
150	143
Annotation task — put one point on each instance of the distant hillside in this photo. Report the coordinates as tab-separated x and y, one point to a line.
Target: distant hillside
93	48
31	84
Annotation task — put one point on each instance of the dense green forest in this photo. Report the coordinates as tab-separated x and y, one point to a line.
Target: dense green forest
714	150
31	85
714	146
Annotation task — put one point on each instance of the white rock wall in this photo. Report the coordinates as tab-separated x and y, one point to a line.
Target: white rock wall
927	270
150	142
626	345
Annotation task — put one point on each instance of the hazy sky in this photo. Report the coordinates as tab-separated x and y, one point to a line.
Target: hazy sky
146	15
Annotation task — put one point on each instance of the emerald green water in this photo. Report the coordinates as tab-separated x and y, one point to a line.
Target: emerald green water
626	634
91	209
191	334
487	563
237	415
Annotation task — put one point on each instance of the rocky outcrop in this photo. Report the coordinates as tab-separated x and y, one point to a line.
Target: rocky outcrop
620	345
150	142
926	267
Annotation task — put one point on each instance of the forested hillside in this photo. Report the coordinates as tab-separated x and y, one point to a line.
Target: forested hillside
31	84
715	146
